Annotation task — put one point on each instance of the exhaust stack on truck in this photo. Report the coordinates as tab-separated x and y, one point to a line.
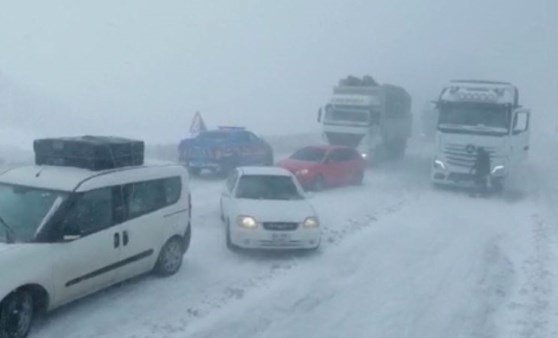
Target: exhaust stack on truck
373	118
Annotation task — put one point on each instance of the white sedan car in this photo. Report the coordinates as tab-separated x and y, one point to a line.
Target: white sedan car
266	208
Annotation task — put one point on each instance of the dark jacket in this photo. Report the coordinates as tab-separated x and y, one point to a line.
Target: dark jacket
482	163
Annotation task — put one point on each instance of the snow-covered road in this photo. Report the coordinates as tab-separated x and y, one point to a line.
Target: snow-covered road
399	259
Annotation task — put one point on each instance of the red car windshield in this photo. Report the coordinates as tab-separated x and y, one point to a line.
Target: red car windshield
309	154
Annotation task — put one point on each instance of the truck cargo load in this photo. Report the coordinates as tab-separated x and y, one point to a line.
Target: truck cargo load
371	117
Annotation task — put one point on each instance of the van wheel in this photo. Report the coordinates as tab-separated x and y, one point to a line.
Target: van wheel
16	314
170	257
187	238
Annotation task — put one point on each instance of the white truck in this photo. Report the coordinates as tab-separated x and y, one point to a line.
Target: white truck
372	118
475	114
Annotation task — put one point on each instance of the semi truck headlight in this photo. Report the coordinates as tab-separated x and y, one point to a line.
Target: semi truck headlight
364	155
498	170
247	222
439	165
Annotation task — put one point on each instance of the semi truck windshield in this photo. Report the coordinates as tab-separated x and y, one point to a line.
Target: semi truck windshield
345	115
474	115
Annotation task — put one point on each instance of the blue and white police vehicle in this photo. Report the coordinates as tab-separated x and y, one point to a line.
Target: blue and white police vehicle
223	150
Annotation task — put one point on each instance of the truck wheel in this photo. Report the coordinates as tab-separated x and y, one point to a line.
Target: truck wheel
498	185
16	314
395	150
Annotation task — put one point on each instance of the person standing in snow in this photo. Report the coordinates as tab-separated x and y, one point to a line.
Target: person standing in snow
481	169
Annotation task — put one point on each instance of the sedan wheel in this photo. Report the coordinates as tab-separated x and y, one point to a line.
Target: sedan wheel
318	183
170	257
230	244
16	315
358	178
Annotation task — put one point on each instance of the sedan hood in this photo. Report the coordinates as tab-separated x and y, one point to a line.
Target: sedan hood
276	211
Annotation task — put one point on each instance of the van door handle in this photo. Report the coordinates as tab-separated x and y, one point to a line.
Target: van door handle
526	148
125	238
116	240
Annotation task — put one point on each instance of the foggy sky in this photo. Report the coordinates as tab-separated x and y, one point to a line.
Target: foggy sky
142	68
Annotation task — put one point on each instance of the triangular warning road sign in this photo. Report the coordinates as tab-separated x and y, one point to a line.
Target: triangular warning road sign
198	125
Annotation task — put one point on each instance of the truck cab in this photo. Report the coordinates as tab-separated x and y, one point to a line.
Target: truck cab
477	114
374	119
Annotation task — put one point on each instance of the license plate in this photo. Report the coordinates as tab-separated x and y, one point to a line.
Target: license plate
280	238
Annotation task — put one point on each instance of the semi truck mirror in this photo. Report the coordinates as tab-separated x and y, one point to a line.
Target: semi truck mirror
320	115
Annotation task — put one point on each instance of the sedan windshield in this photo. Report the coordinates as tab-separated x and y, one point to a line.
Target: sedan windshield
267	187
309	154
24	210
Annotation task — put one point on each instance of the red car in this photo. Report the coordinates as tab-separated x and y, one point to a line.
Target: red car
317	167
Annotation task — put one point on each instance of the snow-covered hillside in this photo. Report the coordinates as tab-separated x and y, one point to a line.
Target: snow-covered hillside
399	259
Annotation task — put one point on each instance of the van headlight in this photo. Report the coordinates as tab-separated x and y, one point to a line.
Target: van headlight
247	222
498	170
439	165
311	222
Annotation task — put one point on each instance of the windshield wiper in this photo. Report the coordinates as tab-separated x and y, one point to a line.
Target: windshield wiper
10	233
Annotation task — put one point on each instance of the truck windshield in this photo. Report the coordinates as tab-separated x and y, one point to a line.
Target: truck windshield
346	115
473	117
25	210
267	187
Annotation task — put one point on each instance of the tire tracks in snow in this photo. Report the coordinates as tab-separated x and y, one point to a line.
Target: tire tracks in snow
332	236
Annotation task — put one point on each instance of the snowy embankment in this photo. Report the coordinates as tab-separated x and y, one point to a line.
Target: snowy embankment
398	259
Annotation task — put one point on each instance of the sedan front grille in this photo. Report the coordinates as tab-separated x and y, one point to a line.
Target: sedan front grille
280	226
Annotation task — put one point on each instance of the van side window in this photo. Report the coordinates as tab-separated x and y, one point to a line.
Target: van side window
144	197
173	189
148	196
91	212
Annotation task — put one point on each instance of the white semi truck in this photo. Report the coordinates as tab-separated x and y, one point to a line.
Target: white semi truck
475	114
373	118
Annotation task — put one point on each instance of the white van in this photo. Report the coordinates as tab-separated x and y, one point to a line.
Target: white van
67	232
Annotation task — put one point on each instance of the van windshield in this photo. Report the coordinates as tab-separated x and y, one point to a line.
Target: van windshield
24	210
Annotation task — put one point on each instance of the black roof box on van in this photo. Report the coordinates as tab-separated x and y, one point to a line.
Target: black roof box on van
89	152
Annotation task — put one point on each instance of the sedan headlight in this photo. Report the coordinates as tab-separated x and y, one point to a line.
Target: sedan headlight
247	222
302	172
311	222
439	165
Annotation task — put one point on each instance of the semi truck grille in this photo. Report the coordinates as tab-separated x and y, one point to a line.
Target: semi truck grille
462	156
344	139
280	226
